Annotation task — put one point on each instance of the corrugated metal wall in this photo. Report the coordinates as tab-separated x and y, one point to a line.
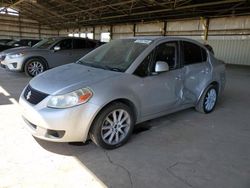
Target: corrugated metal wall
232	51
229	36
14	27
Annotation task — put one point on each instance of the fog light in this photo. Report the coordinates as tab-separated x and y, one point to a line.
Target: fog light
55	134
14	65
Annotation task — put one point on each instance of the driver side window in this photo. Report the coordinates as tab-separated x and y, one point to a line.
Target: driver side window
65	44
144	69
167	52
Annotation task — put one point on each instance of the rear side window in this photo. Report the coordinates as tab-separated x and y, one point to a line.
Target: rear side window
79	44
33	42
204	54
193	53
90	44
23	42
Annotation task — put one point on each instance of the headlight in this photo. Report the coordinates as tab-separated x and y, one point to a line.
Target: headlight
12	56
70	99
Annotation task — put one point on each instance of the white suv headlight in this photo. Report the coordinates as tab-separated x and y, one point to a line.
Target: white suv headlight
70	99
17	55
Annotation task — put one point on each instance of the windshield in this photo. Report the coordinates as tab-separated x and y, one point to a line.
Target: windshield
45	43
11	43
4	41
117	55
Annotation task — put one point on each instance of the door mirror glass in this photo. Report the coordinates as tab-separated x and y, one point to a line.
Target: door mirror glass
57	48
161	66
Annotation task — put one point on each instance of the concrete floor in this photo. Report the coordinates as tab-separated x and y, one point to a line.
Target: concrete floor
184	149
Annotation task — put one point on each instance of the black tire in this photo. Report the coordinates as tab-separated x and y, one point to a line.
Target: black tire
202	104
40	64
97	128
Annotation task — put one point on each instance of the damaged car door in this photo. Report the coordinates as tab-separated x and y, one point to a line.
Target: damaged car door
195	70
162	82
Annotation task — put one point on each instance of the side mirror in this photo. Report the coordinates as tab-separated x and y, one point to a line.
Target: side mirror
57	48
161	66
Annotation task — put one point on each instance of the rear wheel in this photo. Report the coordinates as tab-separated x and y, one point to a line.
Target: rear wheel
34	67
208	100
113	126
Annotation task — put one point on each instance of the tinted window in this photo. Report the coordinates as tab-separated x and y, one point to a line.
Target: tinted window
204	54
33	42
65	44
167	52
90	44
144	68
25	42
79	43
192	53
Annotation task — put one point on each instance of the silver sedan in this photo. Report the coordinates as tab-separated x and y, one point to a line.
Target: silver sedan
122	83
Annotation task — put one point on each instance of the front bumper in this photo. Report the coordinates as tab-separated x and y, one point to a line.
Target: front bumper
58	125
14	64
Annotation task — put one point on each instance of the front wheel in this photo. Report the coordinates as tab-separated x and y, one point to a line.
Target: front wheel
34	67
208	100
113	126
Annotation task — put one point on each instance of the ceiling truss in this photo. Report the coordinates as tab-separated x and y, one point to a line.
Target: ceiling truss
61	14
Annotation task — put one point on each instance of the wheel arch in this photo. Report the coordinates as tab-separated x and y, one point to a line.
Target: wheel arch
39	57
125	101
214	83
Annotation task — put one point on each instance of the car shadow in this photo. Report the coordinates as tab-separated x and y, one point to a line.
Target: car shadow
145	145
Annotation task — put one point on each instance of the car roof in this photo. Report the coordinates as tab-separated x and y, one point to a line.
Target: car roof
159	38
59	38
155	38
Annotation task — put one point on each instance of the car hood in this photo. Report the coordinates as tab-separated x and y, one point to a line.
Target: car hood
69	77
22	49
15	50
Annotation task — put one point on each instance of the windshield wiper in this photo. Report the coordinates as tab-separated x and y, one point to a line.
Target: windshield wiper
113	68
91	64
96	65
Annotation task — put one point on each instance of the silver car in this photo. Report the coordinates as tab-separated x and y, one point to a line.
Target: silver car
122	83
46	54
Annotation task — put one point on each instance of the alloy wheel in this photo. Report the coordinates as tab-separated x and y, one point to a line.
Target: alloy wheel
115	127
210	99
35	68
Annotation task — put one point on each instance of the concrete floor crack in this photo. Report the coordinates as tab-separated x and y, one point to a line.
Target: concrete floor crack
120	166
176	176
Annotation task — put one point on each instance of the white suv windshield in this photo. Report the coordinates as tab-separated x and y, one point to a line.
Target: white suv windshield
117	55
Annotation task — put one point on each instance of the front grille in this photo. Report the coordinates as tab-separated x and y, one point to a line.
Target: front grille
2	57
33	96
